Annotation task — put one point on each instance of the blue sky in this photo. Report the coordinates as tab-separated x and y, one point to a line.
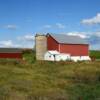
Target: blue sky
21	19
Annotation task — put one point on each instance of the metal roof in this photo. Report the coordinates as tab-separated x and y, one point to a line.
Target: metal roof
67	39
10	50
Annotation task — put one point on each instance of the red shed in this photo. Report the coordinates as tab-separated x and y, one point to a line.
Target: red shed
73	45
15	53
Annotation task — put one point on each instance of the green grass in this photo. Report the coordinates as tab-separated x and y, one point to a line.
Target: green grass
29	79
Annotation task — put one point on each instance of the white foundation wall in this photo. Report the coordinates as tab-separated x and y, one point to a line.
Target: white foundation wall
58	57
80	58
85	58
62	57
75	58
48	57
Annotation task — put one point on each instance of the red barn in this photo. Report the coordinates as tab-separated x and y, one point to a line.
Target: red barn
73	45
14	53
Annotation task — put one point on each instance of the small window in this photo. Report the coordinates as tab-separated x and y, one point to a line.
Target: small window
49	55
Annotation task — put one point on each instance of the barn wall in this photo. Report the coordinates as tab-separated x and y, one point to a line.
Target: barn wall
11	55
52	44
75	49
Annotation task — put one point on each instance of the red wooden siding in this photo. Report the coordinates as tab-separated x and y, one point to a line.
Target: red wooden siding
52	44
75	49
11	55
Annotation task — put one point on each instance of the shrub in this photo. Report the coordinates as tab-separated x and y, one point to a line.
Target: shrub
95	54
29	56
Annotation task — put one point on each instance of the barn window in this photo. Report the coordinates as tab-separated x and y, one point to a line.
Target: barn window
49	55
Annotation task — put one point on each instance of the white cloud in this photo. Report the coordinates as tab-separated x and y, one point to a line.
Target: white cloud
97	34
7	43
57	25
27	37
80	34
26	44
11	44
60	26
13	27
26	41
91	21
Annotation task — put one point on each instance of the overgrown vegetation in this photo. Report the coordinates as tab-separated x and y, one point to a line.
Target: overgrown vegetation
95	54
29	56
29	79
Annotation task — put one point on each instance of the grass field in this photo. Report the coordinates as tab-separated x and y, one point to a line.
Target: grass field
39	80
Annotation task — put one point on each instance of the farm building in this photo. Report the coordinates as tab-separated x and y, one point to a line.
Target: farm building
14	53
54	55
75	46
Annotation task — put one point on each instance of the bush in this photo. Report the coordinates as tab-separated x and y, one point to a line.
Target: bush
29	56
95	54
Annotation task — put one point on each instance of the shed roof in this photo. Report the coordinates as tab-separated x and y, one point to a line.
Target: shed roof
53	52
10	50
67	39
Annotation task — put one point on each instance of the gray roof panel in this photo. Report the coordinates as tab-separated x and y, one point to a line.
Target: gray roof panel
67	39
10	50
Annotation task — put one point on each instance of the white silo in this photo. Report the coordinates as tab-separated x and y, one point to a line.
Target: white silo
40	46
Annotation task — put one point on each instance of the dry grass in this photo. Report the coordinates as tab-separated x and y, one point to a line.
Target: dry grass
49	80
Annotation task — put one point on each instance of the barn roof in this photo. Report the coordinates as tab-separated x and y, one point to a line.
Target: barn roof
10	50
67	39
